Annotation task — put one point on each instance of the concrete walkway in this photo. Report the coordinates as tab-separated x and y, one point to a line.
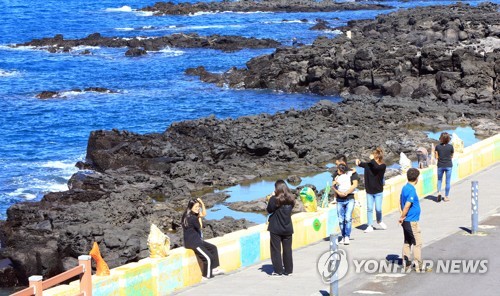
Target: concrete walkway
438	221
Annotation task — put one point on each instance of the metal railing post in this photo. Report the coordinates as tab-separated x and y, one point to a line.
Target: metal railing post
36	283
334	283
86	278
474	206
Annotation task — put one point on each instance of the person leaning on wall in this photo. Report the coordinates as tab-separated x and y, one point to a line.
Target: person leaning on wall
193	238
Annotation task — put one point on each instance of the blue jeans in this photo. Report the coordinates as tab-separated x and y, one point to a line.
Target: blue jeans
344	211
441	171
377	198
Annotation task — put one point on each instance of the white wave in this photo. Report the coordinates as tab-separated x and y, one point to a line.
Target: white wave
124	29
143	13
56	187
203	13
11	47
6	73
69	93
216	12
124	8
171	52
205	27
287	22
83	47
147	27
333	31
295	21
72	93
23	193
248	12
58	164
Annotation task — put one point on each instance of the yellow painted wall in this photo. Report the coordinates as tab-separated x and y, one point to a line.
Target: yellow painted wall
144	277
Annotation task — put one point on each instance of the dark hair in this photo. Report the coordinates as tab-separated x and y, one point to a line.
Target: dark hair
444	138
342	158
342	167
283	194
188	213
412	174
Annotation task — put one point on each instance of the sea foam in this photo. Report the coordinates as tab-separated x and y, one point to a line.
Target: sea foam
124	8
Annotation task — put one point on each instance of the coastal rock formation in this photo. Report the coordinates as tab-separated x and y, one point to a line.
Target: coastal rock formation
143	179
139	45
447	53
138	179
48	94
164	8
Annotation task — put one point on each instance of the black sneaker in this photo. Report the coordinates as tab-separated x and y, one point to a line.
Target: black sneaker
274	274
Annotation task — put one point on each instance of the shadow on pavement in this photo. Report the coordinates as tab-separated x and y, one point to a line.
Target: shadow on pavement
267	268
432	198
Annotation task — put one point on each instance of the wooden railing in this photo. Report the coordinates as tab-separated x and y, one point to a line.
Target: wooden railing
84	270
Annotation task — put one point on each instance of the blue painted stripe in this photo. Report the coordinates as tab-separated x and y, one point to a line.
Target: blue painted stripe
250	249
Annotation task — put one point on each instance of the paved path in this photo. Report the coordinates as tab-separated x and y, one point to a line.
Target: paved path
438	221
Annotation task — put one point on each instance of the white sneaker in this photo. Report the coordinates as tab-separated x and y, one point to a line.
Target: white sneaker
369	229
217	271
341	241
346	240
382	225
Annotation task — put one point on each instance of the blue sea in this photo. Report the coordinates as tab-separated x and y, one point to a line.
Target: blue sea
41	140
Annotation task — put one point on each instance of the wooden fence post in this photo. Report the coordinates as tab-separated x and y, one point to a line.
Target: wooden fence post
86	278
36	283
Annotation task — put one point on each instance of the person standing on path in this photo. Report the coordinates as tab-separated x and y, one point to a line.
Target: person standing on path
280	226
342	159
374	186
444	155
344	184
409	220
193	239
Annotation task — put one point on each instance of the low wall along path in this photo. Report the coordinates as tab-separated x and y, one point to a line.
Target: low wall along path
161	276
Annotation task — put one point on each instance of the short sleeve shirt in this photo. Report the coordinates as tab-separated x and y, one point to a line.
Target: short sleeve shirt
409	194
444	151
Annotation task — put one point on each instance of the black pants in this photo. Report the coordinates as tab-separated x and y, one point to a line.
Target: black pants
209	255
276	259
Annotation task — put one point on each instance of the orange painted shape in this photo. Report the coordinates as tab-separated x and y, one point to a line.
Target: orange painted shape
102	268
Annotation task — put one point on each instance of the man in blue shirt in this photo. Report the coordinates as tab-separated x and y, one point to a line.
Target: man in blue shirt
410	215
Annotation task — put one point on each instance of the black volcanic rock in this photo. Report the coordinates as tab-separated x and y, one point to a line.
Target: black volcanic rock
140	45
143	179
321	25
47	94
135	52
447	53
165	8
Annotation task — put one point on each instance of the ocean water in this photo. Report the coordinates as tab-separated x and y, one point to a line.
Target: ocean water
41	140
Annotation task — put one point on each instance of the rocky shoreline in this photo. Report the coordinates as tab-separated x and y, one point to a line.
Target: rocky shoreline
169	8
143	179
131	180
140	45
449	53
